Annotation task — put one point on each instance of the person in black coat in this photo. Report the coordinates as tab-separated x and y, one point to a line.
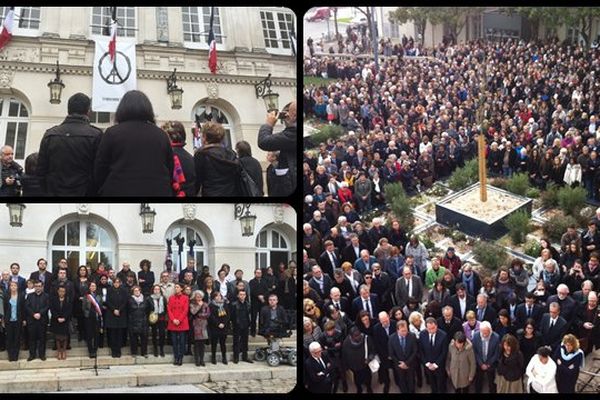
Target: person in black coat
403	348
61	308
569	360
258	297
319	370
10	173
272	319
218	325
527	310
146	277
116	316
433	349
13	300
331	341
139	308
552	335
217	167
449	323
240	321
37	306
381	333
31	184
135	156
250	164
68	152
176	133
42	275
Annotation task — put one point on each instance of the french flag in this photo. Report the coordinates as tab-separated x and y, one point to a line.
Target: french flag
212	51
7	28
112	45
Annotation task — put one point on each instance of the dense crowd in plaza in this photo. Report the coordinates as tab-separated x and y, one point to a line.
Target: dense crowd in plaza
186	309
372	291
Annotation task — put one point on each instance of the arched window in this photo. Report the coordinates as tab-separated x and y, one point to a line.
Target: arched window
271	248
82	242
188	233
14	123
206	112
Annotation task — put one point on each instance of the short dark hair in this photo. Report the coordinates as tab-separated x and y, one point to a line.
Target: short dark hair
134	106
544	351
31	163
79	103
213	132
41	259
175	131
243	149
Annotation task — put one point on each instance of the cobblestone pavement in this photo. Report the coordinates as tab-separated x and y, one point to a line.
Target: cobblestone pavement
251	386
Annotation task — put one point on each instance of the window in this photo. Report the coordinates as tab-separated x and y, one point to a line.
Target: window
82	242
211	113
14	123
102	19
27	20
196	26
188	234
100	117
277	27
271	249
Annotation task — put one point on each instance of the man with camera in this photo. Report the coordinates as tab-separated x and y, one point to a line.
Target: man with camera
284	142
10	173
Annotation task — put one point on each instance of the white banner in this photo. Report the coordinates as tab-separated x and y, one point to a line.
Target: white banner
112	79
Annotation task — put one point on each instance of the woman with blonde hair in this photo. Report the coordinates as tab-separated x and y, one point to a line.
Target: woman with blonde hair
471	325
569	359
416	326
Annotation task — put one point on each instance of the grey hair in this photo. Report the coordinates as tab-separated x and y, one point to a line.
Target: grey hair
195	292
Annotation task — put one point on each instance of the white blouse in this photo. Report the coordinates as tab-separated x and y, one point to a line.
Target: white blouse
541	377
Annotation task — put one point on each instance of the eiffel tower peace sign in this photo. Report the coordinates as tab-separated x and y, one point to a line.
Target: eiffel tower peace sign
114	72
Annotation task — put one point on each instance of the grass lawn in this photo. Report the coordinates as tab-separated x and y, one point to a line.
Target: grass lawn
346	20
317	81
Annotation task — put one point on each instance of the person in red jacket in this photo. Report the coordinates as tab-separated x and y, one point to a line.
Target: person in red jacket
177	309
452	262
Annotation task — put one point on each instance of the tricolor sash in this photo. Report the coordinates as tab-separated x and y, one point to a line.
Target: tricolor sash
96	306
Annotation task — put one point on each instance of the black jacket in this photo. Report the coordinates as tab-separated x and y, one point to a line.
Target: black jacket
134	159
286	143
214	320
66	158
240	315
217	171
37	304
59	310
189	170
252	166
138	314
116	299
268	327
20	308
148	277
11	170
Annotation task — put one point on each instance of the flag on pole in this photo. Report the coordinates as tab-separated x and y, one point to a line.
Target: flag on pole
212	51
7	27
112	45
293	40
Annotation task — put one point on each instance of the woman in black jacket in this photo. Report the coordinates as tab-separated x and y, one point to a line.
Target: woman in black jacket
218	325
139	308
146	277
116	316
92	313
81	286
159	302
250	164
61	309
185	187
135	156
217	167
14	316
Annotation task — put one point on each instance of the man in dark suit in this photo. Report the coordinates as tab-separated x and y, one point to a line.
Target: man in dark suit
320	282
329	260
403	348
365	301
338	301
341	282
553	326
484	311
409	285
36	308
15	277
527	310
581	296
381	285
461	302
351	253
568	306
486	345
42	275
318	370
433	350
449	323
381	332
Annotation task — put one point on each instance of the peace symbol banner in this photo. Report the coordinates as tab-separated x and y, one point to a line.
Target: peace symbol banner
112	79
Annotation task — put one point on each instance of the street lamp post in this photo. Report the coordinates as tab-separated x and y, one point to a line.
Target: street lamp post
263	89
247	220
56	86
147	215
175	92
15	212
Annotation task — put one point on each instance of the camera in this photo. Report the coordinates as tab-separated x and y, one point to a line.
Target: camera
282	115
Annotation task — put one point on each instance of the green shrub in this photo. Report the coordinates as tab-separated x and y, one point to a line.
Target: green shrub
427	242
490	255
326	132
572	200
465	176
498	182
518	184
533	193
519	225
532	248
400	204
557	225
549	197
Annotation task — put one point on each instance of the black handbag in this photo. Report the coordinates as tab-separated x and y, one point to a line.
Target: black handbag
247	185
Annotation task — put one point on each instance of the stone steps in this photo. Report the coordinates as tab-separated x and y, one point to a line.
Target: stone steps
124	376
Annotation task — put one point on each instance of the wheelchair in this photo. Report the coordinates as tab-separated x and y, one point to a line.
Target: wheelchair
275	353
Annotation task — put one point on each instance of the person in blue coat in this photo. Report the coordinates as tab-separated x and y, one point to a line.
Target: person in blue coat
569	360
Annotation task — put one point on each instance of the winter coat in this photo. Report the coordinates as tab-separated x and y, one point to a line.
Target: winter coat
217	171
66	158
460	365
138	314
116	299
252	166
60	310
37	304
148	277
286	143
134	159
178	308
240	315
215	319
572	174
200	322
189	170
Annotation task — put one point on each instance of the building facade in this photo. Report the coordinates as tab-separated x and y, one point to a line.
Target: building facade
252	42
86	234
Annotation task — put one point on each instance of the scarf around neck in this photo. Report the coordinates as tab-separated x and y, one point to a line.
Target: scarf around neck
138	299
569	356
159	305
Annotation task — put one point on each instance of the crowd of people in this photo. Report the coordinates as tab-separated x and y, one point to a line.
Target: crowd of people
137	158
187	309
415	120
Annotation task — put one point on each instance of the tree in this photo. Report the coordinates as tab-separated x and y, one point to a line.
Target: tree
581	19
367	13
455	18
550	17
418	15
335	23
